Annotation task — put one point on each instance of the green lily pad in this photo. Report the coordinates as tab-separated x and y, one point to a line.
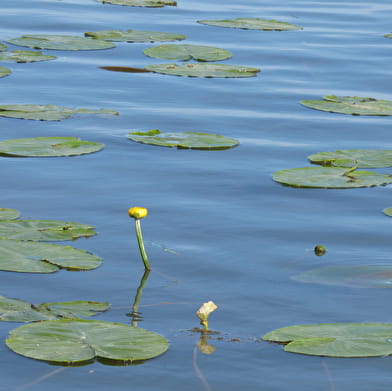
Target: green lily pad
330	178
388	35
140	3
388	211
135	36
187	52
13	310
251	24
44	230
9	214
32	257
368	276
46	112
355	105
4	71
48	146
336	339
3	47
60	42
363	158
183	140
75	341
203	70
25	56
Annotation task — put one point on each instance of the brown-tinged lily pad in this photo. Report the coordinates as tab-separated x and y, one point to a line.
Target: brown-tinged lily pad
252	24
134	36
140	3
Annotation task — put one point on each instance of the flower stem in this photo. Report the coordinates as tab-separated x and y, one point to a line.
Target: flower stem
141	244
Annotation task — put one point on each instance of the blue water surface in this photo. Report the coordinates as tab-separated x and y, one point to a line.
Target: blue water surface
219	228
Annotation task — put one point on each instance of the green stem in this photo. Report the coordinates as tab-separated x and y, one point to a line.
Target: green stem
141	244
136	302
204	323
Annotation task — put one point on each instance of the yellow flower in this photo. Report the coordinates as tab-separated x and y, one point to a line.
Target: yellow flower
137	212
204	311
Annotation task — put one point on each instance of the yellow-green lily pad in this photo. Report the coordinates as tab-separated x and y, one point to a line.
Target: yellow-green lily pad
60	42
187	52
388	211
3	47
362	158
9	214
388	35
203	70
354	105
184	140
46	112
24	56
77	341
140	3
336	339
134	36
35	257
4	71
330	178
48	147
44	230
252	24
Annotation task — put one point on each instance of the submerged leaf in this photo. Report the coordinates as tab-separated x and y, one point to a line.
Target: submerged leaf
32	257
336	339
9	214
72	341
44	230
203	70
252	24
187	52
24	56
46	112
4	71
135	36
60	42
355	105
330	178
140	3
48	146
190	140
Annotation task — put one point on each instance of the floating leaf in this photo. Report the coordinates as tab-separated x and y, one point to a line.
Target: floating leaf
4	71
330	178
32	257
135	36
3	47
13	310
372	276
9	214
388	211
336	339
140	3
252	24
204	70
44	230
48	146
354	105
388	35
46	112
73	341
60	42
187	52
125	69
25	56
363	158
191	140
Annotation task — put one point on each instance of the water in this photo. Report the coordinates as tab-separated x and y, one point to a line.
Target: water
235	236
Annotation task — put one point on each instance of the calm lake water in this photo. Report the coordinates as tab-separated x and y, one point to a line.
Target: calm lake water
235	236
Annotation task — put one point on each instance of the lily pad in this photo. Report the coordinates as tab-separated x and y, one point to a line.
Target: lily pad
388	211
48	146
135	36
388	35
32	257
4	71
9	214
140	3
336	339
75	341
184	140
60	42
354	105
330	178
3	47
187	52
13	310
203	70
368	276
363	158
44	230
46	112
25	56
252	24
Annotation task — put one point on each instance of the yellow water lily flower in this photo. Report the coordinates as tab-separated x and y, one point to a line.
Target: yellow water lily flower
137	212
